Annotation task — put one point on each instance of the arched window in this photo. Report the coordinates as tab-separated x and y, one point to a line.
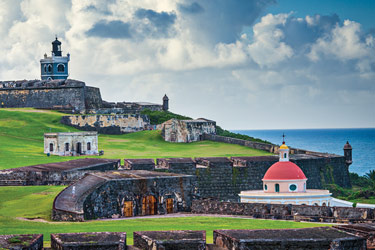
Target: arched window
51	147
284	155
66	146
265	187
49	68
88	146
277	187
45	68
61	68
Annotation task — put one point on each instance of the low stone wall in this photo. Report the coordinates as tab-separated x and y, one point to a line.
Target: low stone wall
251	144
361	230
303	238
84	241
182	240
108	124
285	212
22	241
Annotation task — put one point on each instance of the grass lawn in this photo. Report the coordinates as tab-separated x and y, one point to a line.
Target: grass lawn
21	136
36	202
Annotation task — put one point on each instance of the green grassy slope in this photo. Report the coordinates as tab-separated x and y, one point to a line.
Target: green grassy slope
36	202
21	137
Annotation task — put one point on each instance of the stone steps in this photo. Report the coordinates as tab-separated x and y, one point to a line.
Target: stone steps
12	183
133	248
214	247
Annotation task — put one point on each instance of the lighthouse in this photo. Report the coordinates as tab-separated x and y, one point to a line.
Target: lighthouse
55	66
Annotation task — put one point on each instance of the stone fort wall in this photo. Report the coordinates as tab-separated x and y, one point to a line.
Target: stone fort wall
108	124
57	94
223	178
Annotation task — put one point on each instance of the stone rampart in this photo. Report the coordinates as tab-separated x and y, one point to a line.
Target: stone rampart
62	173
319	168
225	178
284	211
251	144
108	124
68	94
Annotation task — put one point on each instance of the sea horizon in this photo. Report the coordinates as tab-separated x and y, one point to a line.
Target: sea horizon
326	140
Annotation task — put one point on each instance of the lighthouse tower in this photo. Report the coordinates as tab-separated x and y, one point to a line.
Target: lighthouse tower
56	66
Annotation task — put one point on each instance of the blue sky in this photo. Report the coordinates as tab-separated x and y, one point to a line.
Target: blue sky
361	11
299	64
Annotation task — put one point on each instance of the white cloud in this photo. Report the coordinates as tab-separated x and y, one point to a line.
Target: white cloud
206	64
267	48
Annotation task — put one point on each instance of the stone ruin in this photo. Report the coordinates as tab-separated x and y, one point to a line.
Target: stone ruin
187	130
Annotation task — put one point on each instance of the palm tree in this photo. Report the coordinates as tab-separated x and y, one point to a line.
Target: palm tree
371	177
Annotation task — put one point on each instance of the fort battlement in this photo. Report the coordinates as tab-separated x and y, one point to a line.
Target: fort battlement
68	95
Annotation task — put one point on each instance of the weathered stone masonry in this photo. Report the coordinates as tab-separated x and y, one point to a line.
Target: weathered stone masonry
108	124
225	178
61	173
272	239
124	193
285	211
55	94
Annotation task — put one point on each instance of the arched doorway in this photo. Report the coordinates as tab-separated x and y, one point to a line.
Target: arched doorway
169	205
128	208
79	148
149	205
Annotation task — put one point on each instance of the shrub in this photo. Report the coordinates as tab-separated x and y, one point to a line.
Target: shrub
158	117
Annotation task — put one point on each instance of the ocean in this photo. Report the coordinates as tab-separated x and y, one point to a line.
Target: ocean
327	140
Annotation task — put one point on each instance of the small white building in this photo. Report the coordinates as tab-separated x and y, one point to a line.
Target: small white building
71	143
285	183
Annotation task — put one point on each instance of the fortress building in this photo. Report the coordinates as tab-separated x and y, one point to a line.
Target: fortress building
285	183
56	91
71	143
56	66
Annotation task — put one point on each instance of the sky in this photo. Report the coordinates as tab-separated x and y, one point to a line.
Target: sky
247	64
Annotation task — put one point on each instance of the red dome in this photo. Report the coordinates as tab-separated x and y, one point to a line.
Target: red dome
285	170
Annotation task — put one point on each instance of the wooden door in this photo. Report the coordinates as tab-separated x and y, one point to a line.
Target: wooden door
79	148
128	208
169	206
149	205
